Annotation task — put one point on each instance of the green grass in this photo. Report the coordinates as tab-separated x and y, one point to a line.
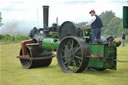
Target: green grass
12	73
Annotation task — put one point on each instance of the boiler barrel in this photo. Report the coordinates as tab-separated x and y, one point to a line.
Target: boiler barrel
50	44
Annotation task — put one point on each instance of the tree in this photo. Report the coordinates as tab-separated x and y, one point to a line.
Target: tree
106	18
114	27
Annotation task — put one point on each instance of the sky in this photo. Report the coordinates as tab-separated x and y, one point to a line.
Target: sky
29	12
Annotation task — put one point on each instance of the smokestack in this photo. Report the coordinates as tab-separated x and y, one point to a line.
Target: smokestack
45	16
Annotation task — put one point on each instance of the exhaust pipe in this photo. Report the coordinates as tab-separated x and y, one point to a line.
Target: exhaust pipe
45	16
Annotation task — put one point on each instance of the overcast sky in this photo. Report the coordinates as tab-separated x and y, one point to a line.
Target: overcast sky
27	11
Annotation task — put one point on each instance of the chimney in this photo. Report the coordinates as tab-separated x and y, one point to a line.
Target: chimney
45	16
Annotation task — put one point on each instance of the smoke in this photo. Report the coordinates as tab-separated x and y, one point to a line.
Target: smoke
15	27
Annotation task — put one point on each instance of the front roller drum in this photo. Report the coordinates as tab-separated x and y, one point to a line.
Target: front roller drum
72	54
29	63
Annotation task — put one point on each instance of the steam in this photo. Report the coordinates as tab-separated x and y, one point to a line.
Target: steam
15	27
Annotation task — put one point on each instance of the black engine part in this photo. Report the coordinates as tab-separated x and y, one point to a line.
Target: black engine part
67	29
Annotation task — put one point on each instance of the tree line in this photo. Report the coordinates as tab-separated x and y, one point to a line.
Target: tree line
9	38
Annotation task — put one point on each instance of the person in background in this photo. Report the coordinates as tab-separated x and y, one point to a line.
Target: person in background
123	38
96	25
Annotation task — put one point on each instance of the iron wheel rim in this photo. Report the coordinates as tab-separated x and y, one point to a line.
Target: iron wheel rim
26	63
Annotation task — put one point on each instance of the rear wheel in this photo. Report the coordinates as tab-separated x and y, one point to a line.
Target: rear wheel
72	54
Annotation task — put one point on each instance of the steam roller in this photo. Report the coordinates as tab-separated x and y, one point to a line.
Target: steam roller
73	47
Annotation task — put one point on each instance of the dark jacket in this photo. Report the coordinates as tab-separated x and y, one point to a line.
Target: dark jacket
123	36
97	23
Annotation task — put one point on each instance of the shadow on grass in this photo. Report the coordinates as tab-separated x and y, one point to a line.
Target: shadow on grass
95	72
46	67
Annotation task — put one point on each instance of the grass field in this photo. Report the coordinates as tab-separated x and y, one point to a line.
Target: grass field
12	73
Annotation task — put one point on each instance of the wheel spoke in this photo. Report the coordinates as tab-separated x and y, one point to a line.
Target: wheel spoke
72	44
77	49
67	49
68	65
74	65
67	61
79	58
79	62
63	57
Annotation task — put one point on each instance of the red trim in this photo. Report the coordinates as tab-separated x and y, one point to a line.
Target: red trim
24	47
